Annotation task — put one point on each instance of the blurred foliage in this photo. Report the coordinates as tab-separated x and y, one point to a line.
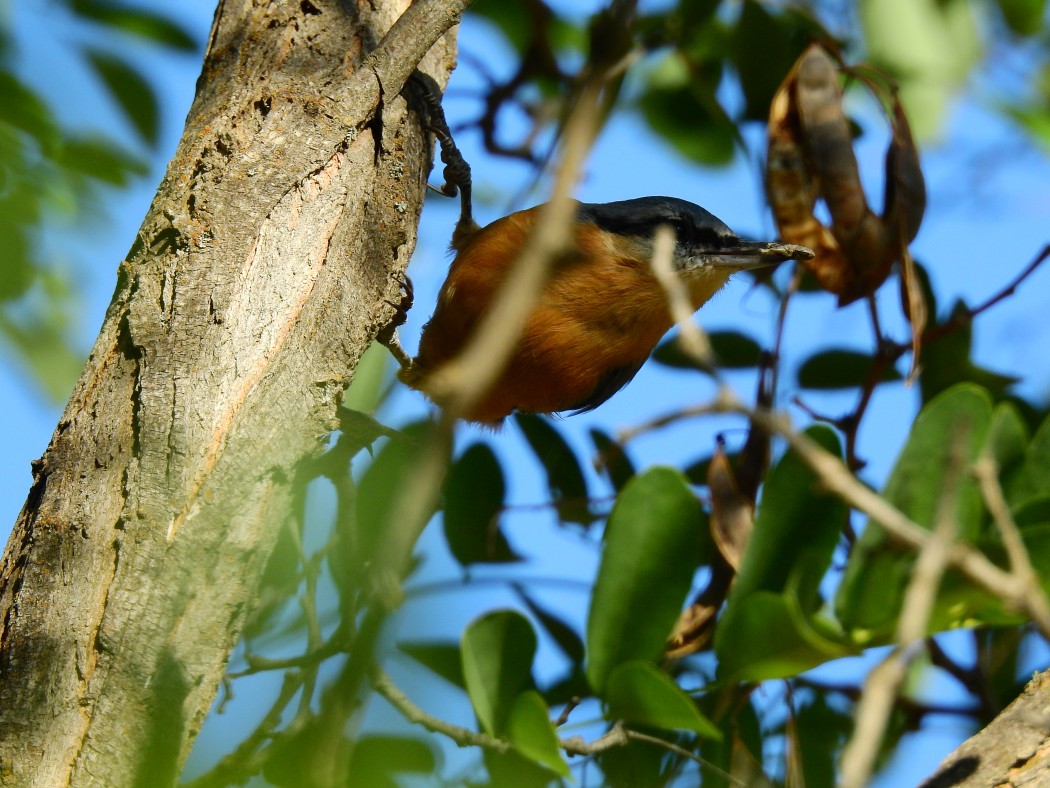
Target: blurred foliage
48	171
808	589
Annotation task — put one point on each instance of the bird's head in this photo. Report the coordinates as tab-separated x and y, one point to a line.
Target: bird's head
704	245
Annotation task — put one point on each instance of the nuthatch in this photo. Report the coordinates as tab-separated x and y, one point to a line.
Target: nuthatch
602	310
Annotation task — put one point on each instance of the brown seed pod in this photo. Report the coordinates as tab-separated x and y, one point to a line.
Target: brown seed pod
732	514
810	156
828	142
905	197
792	189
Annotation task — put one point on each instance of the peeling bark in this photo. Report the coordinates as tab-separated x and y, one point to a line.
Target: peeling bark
261	273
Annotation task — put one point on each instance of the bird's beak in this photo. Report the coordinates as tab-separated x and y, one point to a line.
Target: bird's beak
745	255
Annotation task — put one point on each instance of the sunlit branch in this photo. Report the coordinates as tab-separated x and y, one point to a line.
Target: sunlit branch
838	479
884	682
467	378
987	473
691	337
618	736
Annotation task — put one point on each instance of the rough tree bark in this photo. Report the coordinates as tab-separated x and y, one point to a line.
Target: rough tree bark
260	275
1013	750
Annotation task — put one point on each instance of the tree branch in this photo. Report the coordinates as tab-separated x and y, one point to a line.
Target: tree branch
834	474
881	688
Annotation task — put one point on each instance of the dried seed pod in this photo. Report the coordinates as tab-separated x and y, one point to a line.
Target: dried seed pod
810	156
913	302
693	629
905	196
828	142
793	191
732	514
870	250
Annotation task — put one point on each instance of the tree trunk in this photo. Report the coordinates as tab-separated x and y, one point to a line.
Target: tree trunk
263	270
1012	750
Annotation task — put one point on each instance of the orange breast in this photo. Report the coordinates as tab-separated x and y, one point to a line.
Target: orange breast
602	311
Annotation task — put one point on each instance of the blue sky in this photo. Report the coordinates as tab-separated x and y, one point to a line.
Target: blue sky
989	215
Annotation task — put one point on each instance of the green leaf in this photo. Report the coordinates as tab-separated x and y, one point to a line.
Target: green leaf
131	91
732	349
1034	120
916	484
872	589
512	769
497	652
684	110
289	758
797	525
442	658
137	22
1007	440
383	481
929	46
768	629
1032	479
474	497
370	376
652	546
820	731
360	431
614	460
640	694
781	38
635	764
841	369
1025	17
57	369
765	635
521	23
100	159
735	350
947	361
561	633
376	759
565	478
531	731
1033	512
26	111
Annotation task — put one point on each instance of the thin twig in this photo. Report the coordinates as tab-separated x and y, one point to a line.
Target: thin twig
470	582
972	679
908	705
617	736
884	682
256	664
954	324
624	436
838	479
246	759
987	472
1011	288
691	337
463	737
463	381
570	707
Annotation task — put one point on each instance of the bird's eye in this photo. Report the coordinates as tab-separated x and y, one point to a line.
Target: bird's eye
681	229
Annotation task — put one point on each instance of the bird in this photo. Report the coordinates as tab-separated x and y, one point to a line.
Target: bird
602	310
